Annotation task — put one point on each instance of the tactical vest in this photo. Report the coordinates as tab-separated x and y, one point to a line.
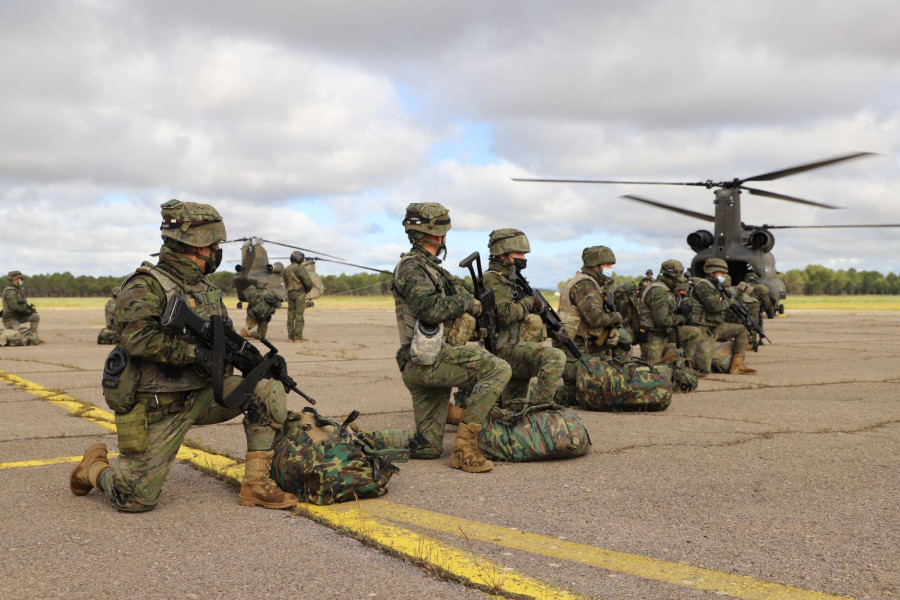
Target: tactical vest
406	320
570	316
646	318
510	335
11	312
205	300
699	314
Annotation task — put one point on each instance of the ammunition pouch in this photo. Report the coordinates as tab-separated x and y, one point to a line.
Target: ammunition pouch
426	343
461	330
120	379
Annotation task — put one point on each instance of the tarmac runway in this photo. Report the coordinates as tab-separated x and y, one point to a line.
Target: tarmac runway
782	484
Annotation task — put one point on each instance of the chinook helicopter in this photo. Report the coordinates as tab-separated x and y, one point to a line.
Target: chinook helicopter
255	266
744	247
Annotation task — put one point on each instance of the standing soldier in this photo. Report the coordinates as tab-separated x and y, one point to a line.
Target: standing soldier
587	308
261	305
428	300
109	334
660	317
16	309
166	385
709	305
297	282
515	317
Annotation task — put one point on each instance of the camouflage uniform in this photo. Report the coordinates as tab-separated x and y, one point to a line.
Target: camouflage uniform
174	391
708	312
628	304
426	293
527	359
587	308
16	309
659	317
261	305
297	282
109	334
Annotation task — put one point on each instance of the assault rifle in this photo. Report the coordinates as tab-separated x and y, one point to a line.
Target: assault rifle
488	317
548	315
228	346
741	312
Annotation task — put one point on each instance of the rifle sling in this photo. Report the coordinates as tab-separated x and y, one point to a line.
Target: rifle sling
218	358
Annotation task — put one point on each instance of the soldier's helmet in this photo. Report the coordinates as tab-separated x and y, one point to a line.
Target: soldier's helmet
13	275
672	269
751	277
715	264
115	292
502	241
191	223
597	255
427	217
297	257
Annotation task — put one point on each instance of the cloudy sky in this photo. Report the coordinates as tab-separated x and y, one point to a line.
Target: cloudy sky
316	123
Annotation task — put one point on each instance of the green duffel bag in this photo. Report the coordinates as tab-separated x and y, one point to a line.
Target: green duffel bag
520	432
610	386
324	462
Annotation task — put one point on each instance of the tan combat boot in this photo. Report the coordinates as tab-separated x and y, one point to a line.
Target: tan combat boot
738	367
258	489
465	454
455	415
84	476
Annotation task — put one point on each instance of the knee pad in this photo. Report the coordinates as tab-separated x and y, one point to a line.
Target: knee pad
272	396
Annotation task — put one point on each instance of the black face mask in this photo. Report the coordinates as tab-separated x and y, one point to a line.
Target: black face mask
520	263
213	262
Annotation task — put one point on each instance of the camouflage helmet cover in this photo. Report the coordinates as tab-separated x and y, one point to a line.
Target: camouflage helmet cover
672	268
13	275
752	277
713	265
194	224
597	255
427	217
297	257
503	241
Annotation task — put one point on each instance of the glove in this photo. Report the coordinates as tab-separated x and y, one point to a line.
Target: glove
679	320
476	308
539	306
618	321
280	368
204	362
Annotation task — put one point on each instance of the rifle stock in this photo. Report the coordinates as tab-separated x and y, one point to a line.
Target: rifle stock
487	320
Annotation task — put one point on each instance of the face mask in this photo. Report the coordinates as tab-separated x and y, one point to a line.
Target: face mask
720	279
520	263
608	273
213	262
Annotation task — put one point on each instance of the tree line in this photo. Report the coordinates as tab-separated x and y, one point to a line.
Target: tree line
814	280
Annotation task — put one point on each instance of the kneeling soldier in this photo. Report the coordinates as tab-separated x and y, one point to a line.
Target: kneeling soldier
428	301
516	318
173	375
660	317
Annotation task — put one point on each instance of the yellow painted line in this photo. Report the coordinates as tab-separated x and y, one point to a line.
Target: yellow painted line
443	557
59	460
78	408
736	586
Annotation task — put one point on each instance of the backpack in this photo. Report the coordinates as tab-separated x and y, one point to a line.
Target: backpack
324	462
631	385
681	377
520	431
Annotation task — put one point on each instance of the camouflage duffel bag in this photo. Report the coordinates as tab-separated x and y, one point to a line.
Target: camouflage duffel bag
520	432
681	377
324	462
633	385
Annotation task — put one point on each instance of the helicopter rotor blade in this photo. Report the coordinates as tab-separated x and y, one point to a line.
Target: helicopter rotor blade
681	211
299	248
340	262
807	167
827	226
697	183
758	192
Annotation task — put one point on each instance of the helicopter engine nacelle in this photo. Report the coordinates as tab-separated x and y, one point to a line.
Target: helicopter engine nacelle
762	240
238	268
700	240
277	268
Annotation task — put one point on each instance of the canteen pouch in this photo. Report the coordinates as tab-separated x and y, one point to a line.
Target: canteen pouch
426	343
120	378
